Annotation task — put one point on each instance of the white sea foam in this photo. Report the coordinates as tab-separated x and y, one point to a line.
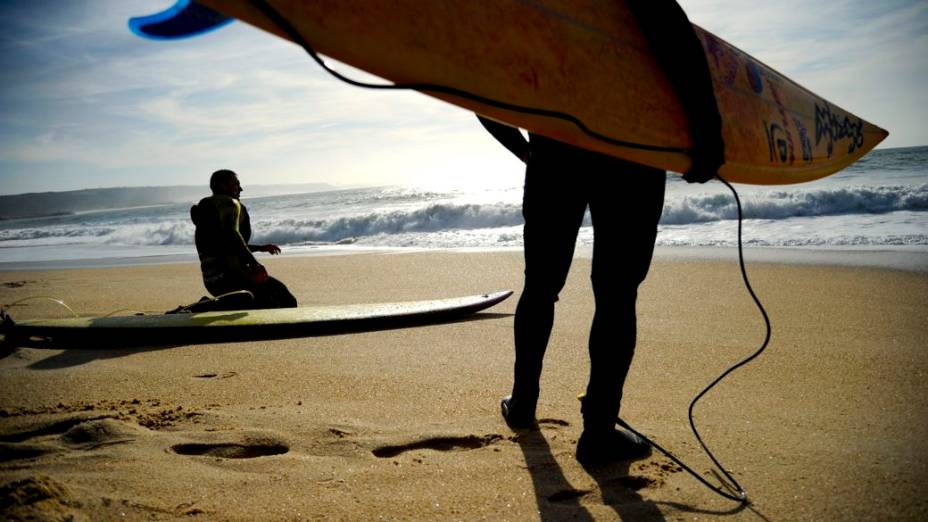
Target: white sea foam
882	202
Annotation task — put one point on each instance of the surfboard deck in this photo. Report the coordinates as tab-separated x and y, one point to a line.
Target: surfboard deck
586	59
189	328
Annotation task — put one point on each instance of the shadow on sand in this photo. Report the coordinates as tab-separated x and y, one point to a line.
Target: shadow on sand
557	499
91	346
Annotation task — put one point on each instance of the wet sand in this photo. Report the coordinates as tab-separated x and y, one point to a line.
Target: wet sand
831	423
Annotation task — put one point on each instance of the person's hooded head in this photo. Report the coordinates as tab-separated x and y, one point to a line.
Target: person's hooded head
225	183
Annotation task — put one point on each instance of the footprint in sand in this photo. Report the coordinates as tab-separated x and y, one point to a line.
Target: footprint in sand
655	473
36	498
16	284
341	433
247	448
77	432
210	375
636	483
24	450
56	425
100	432
469	442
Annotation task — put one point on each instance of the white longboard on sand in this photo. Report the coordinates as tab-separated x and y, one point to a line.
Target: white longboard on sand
240	325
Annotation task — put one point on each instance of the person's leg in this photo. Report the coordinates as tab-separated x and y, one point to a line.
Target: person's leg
225	283
224	275
553	209
625	220
285	299
273	294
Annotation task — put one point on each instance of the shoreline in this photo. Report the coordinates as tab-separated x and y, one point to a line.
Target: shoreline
910	259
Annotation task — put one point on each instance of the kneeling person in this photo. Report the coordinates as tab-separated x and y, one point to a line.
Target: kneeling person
223	229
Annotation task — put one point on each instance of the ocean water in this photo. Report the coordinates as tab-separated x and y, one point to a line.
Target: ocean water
878	204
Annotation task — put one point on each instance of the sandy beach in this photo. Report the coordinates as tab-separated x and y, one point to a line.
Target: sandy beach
831	423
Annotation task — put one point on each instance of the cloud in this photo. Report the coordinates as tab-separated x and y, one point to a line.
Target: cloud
186	103
79	89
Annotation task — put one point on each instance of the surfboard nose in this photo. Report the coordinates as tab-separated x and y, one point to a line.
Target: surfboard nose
873	135
880	133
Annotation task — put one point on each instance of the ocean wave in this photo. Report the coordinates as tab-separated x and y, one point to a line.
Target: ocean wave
163	234
433	218
769	205
894	240
135	234
373	224
357	198
785	204
38	233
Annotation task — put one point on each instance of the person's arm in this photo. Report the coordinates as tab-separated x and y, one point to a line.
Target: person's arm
510	137
270	248
229	214
674	43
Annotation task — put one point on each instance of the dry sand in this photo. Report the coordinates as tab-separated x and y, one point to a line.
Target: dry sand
829	424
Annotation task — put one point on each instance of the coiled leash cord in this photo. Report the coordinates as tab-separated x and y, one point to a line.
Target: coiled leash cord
734	490
55	300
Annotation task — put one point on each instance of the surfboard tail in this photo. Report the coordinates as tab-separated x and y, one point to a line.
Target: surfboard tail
185	19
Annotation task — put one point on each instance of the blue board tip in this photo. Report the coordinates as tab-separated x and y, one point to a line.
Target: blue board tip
185	19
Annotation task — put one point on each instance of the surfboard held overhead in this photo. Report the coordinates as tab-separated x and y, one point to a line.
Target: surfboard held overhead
587	60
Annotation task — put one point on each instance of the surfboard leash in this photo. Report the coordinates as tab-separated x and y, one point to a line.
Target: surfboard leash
8	325
4	308
733	490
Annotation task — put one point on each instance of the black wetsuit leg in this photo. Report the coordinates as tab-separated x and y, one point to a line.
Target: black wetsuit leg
273	294
625	205
270	294
553	207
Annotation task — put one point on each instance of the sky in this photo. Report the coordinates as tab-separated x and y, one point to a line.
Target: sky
87	104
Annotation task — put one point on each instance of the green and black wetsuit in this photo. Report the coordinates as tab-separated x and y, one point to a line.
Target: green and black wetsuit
223	229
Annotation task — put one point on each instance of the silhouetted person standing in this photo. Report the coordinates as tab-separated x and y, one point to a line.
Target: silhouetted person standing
625	202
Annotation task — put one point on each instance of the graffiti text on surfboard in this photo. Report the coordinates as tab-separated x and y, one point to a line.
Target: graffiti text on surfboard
833	128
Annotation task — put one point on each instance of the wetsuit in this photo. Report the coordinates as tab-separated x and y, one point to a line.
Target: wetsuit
223	229
625	201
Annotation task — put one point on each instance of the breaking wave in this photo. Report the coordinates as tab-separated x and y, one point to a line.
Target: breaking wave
371	222
784	204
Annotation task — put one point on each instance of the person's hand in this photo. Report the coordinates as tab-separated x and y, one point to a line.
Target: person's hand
707	158
270	249
701	171
257	273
